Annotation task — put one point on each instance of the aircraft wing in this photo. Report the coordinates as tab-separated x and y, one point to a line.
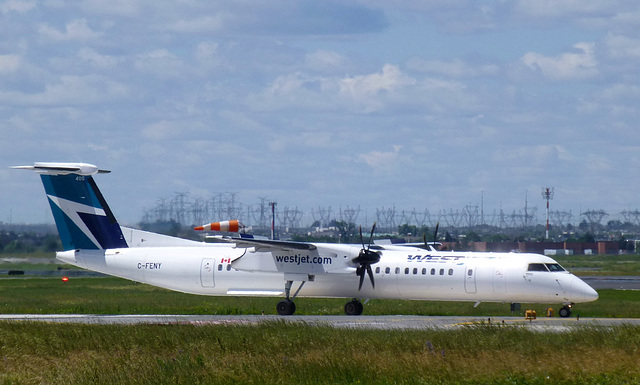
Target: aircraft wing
264	244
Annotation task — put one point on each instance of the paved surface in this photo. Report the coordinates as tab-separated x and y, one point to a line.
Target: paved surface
613	282
376	322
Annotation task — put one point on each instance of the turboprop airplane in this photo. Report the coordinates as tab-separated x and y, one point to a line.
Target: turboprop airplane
240	266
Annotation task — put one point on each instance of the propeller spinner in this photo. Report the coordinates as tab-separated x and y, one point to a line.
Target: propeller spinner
365	259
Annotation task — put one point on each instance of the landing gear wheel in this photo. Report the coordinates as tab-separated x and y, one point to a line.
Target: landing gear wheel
353	307
286	307
564	312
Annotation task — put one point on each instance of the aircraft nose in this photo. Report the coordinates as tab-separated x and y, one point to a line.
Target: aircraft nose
582	292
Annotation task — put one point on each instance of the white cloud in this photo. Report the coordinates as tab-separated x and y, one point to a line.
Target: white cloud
162	130
622	47
367	91
9	63
71	90
199	24
455	68
297	90
102	61
580	64
207	51
74	30
161	63
534	157
17	6
390	79
562	8
382	161
127	8
322	60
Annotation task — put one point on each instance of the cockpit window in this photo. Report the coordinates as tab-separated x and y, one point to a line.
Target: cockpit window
537	267
554	267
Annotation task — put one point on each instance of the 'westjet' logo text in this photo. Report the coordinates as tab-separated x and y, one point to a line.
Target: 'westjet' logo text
303	259
428	258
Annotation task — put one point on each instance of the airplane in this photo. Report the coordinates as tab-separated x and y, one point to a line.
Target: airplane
242	266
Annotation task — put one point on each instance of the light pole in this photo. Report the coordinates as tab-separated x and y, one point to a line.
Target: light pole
547	193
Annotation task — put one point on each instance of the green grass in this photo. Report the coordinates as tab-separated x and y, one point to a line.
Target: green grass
118	296
282	353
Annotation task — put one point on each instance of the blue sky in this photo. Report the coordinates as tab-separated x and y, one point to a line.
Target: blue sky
428	104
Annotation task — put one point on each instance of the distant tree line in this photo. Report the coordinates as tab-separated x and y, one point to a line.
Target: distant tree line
28	242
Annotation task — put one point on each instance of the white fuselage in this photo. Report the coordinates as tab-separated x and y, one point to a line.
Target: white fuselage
401	273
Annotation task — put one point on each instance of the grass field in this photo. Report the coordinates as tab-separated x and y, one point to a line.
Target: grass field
282	353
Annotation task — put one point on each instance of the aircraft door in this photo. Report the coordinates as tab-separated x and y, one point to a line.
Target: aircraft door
207	269
500	281
470	279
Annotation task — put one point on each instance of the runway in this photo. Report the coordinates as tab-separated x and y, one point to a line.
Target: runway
622	282
399	322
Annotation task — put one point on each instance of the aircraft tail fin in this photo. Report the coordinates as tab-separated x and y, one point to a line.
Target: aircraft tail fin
82	215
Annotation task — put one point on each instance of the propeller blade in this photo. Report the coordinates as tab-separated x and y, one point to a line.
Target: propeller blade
361	239
435	233
373	228
361	279
370	272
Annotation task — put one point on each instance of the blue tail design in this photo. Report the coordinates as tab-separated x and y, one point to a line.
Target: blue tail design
82	216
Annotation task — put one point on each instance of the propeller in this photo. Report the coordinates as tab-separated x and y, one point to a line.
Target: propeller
435	238
435	233
365	259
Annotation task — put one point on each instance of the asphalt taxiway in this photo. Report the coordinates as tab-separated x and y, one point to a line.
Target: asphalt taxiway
357	322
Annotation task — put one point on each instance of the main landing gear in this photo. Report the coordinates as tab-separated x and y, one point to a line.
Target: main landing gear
353	307
286	306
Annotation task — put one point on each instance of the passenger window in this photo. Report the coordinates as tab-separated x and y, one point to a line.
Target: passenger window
415	270
424	271
406	270
397	270
377	270
450	271
441	271
433	271
537	267
387	270
470	272
220	267
229	267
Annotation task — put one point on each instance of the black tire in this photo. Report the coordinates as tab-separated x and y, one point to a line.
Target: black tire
286	307
353	308
564	312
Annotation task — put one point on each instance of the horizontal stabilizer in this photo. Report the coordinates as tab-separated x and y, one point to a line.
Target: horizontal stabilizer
55	168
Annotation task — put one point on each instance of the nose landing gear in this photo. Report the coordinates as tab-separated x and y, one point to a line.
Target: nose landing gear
565	311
